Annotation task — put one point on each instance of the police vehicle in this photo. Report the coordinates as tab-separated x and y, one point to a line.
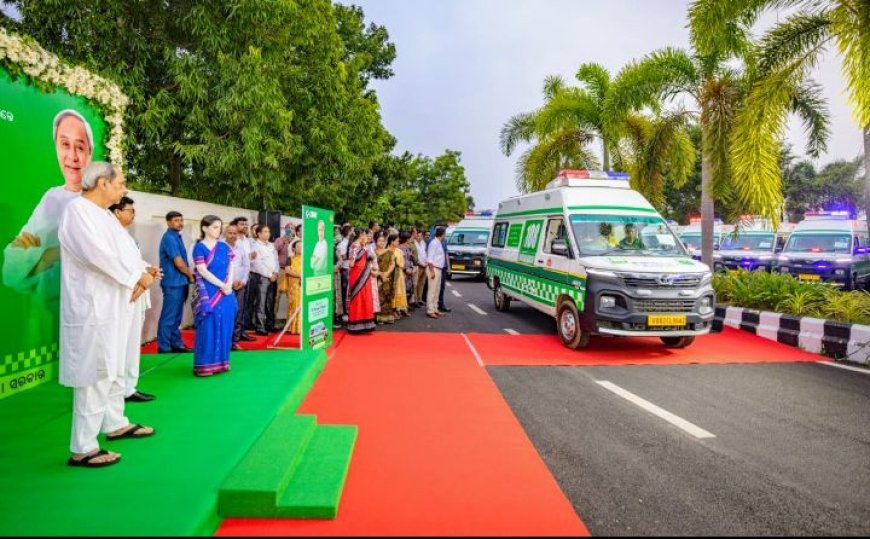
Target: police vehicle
593	253
828	247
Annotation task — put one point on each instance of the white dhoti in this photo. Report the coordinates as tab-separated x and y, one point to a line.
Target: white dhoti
98	275
97	408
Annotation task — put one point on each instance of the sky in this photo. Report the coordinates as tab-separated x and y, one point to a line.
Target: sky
464	67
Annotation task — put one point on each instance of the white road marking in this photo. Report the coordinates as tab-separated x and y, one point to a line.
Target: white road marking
449	284
677	421
457	294
845	367
512	331
477	309
473	349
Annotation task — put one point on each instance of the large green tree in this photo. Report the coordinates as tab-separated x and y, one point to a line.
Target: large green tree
258	103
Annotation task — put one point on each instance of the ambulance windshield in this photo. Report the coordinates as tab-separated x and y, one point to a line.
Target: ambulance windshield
626	235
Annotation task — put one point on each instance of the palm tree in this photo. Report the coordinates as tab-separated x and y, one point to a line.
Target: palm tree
656	150
560	131
789	51
572	117
718	90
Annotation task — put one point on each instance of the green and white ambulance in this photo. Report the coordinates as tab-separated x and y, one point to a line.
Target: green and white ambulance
593	253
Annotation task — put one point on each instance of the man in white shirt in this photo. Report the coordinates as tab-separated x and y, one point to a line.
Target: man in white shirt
101	280
264	272
246	248
241	273
126	214
422	263
435	261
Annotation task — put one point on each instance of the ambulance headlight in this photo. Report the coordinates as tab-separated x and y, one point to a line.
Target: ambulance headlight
600	273
706	306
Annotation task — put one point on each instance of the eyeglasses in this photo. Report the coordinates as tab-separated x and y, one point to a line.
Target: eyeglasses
131	210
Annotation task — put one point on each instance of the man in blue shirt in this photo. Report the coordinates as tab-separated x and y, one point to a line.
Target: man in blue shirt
176	279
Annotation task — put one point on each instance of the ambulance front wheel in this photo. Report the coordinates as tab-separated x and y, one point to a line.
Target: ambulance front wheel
502	300
677	342
568	326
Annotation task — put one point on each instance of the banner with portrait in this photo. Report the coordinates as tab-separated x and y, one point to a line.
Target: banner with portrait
46	140
318	280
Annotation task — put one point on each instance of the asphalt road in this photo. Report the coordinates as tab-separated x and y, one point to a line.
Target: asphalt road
760	449
468	298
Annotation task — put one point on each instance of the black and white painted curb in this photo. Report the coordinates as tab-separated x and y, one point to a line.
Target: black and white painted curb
848	342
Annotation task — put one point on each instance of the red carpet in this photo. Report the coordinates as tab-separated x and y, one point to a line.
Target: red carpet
262	343
730	346
439	450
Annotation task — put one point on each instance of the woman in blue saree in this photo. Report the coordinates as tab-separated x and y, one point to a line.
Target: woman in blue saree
215	305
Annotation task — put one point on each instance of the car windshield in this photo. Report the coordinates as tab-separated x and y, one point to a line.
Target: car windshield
749	242
469	238
692	241
819	243
624	235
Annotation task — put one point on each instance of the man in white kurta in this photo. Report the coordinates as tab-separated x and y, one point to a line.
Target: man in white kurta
99	282
125	213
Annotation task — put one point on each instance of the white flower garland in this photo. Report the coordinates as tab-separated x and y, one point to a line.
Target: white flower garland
40	64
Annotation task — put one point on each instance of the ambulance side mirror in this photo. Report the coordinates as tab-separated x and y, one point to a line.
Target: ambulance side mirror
560	247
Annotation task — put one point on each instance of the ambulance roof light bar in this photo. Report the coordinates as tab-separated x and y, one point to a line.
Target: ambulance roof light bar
842	214
567	178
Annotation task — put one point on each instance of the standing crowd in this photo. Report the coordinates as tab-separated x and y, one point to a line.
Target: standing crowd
238	280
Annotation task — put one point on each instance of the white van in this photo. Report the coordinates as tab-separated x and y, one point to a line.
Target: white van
751	246
828	247
466	246
594	254
690	235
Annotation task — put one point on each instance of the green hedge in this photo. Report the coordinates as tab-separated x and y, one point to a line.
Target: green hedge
785	294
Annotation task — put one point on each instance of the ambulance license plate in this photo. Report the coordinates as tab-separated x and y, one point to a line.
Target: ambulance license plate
457	267
809	277
666	320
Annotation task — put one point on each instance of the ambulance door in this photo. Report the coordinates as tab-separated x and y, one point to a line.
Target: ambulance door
556	251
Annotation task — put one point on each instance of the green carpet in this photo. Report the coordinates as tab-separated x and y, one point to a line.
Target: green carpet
165	485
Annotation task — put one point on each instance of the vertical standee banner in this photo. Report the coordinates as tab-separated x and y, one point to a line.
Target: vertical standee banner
46	139
318	281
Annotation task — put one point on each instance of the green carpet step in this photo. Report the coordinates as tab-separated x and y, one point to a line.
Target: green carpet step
316	487
253	487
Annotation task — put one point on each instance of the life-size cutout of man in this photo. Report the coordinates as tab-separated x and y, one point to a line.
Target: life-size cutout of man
101	280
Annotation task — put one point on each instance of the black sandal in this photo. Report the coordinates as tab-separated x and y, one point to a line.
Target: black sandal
85	462
130	433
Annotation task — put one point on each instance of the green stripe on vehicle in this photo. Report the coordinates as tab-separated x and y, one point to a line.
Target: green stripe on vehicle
622	208
543	211
537	284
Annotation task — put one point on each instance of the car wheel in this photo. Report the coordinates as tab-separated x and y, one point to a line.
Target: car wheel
677	342
502	300
568	326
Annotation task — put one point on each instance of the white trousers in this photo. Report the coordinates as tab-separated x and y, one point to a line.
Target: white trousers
133	351
97	408
434	289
